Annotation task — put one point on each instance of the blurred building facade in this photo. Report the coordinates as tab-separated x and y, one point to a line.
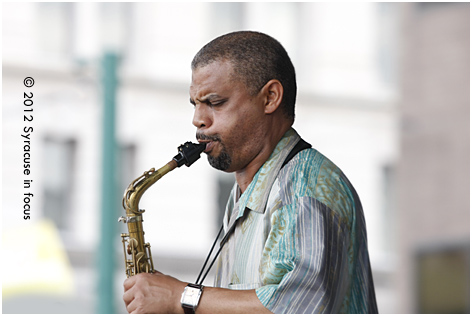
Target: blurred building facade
358	74
433	205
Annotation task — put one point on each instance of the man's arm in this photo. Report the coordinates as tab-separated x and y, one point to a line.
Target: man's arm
159	293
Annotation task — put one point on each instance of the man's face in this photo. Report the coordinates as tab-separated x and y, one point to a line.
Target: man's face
226	117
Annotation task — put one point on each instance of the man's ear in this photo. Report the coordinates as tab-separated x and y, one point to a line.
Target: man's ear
274	92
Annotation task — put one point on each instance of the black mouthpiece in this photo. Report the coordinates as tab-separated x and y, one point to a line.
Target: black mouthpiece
189	153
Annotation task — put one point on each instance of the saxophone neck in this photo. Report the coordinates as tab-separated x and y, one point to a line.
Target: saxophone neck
136	189
188	154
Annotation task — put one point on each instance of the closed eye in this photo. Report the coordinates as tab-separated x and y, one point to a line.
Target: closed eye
209	102
215	103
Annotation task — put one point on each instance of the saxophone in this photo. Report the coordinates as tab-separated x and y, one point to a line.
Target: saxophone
137	252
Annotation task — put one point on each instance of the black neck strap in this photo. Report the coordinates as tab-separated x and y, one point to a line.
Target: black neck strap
301	145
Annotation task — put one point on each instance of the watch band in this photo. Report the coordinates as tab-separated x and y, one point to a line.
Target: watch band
190	308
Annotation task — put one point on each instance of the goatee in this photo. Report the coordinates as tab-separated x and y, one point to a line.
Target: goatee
221	162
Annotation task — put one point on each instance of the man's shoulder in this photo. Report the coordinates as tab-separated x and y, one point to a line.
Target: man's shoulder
311	174
308	166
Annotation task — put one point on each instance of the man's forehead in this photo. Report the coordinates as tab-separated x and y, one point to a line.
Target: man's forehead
223	67
211	76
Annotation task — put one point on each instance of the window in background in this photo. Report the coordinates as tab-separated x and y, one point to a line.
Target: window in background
389	198
443	284
387	15
59	174
126	163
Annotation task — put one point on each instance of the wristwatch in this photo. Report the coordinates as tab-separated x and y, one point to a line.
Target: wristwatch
191	297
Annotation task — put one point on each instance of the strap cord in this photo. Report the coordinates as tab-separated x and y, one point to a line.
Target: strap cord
208	257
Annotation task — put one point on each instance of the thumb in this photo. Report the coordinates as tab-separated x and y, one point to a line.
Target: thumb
155	272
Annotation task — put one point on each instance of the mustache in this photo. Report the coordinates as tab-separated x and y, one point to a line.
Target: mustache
201	136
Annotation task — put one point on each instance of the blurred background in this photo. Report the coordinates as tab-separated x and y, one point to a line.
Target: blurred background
384	92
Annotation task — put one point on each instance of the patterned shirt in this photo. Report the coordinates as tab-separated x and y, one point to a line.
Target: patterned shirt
297	236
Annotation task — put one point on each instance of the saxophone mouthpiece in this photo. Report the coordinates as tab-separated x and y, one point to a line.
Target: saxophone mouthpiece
189	153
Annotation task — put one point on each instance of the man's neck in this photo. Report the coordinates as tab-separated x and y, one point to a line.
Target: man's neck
244	176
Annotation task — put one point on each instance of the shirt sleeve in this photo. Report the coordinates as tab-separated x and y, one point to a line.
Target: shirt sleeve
305	263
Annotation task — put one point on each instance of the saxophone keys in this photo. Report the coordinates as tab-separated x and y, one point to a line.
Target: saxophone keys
149	172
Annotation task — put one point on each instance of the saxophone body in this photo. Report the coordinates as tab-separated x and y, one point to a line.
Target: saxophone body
137	253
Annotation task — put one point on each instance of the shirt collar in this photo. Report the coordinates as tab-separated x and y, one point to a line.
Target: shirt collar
256	195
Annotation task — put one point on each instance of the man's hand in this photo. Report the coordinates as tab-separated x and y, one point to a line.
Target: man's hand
153	293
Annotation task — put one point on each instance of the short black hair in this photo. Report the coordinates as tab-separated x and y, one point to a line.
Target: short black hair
257	58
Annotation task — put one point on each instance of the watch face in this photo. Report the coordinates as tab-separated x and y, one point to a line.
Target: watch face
191	296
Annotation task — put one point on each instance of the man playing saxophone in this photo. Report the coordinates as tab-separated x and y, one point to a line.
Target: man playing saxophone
295	236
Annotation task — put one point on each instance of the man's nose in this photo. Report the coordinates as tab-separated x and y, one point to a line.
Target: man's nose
201	117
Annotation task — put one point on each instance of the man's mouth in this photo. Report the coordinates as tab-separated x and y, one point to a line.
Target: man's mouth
208	140
209	146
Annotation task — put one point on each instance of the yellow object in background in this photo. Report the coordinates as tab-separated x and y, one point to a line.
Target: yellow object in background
35	261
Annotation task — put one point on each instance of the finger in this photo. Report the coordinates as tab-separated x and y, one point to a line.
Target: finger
128	297
129	282
135	307
131	308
